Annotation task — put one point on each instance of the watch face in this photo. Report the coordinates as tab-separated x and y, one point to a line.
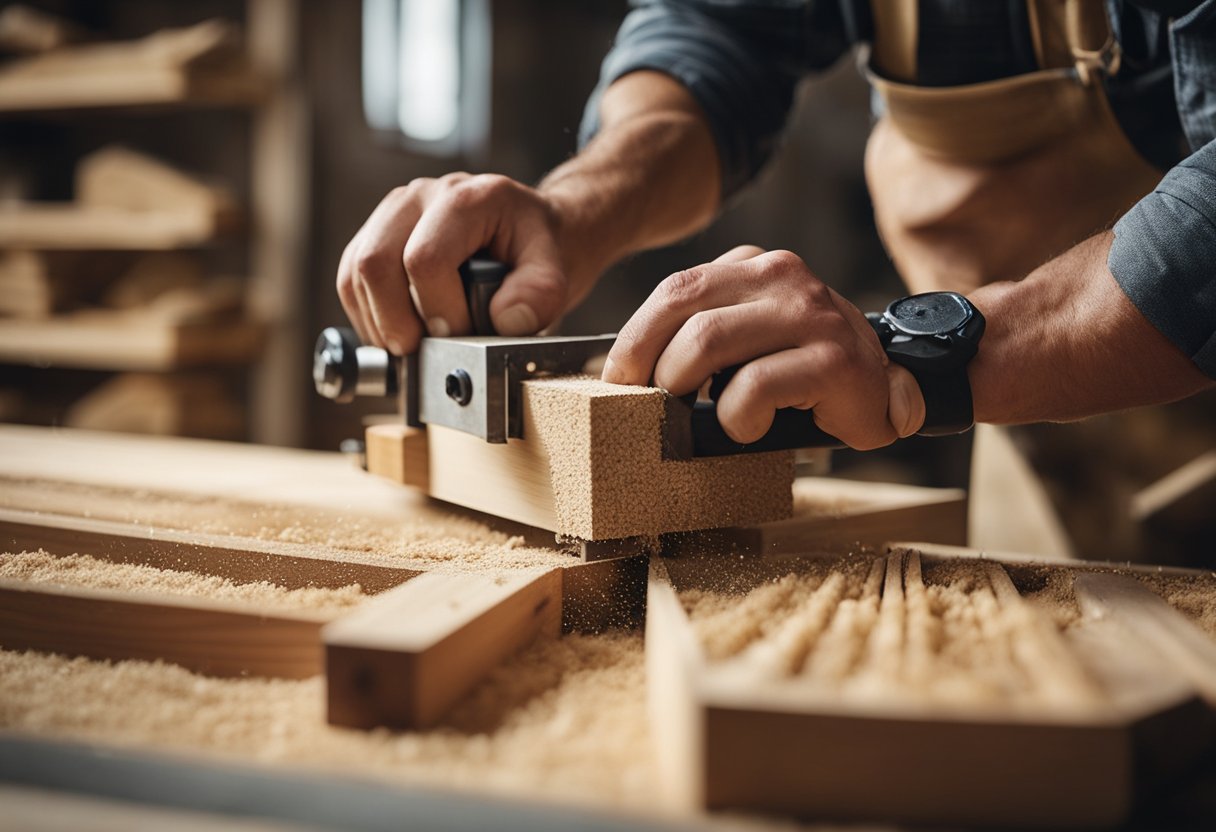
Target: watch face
931	313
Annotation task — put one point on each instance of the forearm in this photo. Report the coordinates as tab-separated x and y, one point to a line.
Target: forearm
1066	343
650	177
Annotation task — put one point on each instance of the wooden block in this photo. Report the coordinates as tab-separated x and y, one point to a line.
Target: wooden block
591	466
403	659
207	637
28	30
122	179
399	453
731	737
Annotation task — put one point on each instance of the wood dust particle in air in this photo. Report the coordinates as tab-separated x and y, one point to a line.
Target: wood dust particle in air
91	573
565	719
954	633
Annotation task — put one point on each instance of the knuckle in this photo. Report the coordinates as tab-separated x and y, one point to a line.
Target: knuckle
419	261
783	260
374	265
682	287
706	331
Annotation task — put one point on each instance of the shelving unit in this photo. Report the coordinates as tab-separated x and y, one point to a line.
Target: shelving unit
167	72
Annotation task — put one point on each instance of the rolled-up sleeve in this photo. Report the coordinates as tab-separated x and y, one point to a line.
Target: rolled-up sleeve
1164	256
741	62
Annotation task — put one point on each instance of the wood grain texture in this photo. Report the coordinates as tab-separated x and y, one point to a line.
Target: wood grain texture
591	466
207	637
239	559
728	741
403	659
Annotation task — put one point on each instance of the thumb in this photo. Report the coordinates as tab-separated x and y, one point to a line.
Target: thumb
532	297
905	402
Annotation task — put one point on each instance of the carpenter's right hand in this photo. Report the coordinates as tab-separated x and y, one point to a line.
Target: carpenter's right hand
398	277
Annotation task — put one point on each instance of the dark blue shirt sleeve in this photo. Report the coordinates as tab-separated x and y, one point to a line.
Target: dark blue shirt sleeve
1164	256
741	61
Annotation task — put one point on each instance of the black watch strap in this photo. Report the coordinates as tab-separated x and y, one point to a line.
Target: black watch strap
948	408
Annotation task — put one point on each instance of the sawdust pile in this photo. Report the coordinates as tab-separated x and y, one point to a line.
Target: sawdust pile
91	573
427	535
882	629
565	719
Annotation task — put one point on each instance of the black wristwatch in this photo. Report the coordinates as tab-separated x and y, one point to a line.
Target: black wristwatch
935	335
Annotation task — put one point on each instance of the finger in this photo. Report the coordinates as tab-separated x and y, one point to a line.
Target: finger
718	338
906	410
348	295
857	320
739	253
460	221
850	404
379	271
534	293
646	335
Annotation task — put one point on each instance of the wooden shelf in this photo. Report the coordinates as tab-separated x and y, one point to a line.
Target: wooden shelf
66	226
128	90
102	340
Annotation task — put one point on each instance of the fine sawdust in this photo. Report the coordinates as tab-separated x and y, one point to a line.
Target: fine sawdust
566	719
91	573
1193	597
956	633
429	535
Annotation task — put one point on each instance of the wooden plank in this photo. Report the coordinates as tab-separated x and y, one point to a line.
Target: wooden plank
67	226
239	559
1146	618
124	340
203	636
403	659
592	466
200	64
729	740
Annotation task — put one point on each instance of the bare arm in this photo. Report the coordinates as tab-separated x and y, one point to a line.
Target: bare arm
1066	343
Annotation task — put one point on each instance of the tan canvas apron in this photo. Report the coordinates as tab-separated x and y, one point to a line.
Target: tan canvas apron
987	181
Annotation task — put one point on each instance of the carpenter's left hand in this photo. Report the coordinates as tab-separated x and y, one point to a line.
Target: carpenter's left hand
804	346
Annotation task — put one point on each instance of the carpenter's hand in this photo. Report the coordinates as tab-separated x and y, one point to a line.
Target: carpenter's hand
805	346
398	276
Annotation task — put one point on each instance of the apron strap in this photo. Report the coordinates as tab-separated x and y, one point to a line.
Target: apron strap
1074	33
896	31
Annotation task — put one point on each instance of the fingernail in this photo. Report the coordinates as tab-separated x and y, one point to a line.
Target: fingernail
438	327
394	347
517	320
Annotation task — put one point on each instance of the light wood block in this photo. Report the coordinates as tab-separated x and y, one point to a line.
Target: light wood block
403	659
209	637
731	737
591	466
398	453
200	64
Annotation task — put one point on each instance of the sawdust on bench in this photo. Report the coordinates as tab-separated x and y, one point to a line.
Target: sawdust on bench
565	720
88	572
429	534
875	628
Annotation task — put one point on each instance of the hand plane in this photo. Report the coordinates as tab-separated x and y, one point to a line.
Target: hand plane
472	383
